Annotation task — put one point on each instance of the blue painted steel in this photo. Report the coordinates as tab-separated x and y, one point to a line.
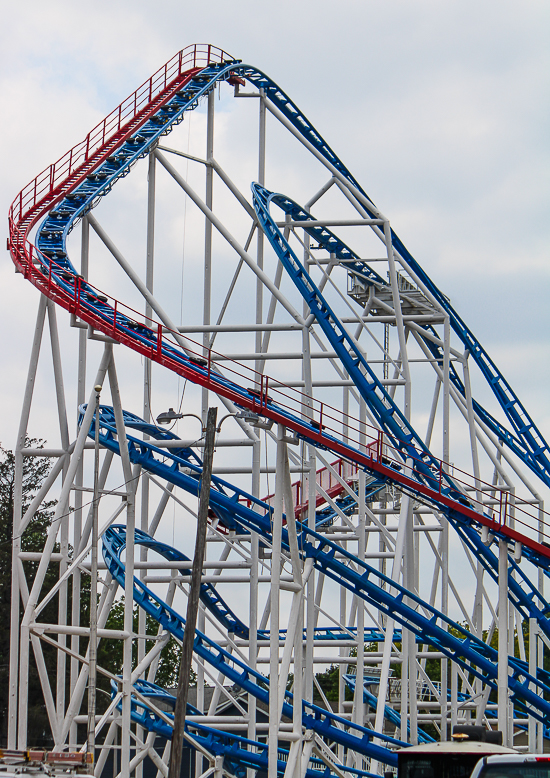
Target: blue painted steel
525	597
239	753
321	721
356	575
389	713
380	403
51	239
390	418
359	267
526	440
522	424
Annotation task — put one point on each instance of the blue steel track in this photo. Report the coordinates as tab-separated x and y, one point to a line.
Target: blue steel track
180	467
68	289
49	269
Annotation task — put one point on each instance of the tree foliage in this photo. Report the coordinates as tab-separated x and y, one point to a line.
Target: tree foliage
35	470
110	651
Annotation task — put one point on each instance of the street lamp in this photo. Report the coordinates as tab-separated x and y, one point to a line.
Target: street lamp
168	416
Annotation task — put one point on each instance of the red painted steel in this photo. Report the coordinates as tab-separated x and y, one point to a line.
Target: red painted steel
329	483
372	449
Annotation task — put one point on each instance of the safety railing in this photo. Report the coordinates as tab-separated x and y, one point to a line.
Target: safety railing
329	479
194	56
159	343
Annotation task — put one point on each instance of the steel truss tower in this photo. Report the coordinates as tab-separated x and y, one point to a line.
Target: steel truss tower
367	512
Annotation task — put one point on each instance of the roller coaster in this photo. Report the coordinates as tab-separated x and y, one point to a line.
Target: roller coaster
371	375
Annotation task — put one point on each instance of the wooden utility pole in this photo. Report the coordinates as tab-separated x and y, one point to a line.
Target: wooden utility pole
174	768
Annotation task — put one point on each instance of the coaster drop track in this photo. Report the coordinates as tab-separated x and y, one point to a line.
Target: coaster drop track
53	203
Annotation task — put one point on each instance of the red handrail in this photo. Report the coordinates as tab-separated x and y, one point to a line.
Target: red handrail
100	135
377	454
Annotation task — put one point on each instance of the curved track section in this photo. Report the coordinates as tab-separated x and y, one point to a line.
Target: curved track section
50	269
239	753
323	722
391	452
78	187
356	575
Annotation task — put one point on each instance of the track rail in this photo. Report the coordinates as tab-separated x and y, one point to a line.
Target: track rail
88	172
324	722
240	753
356	575
63	193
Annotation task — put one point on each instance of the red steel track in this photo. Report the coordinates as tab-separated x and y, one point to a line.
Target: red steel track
368	447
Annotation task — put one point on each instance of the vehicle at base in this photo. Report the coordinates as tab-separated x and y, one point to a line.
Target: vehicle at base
454	759
513	766
445	760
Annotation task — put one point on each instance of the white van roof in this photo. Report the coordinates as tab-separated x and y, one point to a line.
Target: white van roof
462	747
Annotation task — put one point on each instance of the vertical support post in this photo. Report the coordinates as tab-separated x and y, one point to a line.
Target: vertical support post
174	769
53	530
64	533
207	294
129	574
253	604
273	729
410	573
503	640
394	282
478	602
540	728
207	298
539	651
359	708
147	375
92	651
79	480
260	234
532	724
445	529
454	695
18	735
311	499
388	641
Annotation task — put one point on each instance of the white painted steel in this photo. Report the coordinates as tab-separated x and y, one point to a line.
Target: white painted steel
240	302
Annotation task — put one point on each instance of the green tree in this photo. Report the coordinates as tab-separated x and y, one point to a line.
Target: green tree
35	470
110	651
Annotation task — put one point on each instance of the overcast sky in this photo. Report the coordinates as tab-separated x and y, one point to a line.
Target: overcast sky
440	109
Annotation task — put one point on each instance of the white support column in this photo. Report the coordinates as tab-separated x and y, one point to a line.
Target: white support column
390	624
478	602
60	511
260	234
253	595
18	735
503	641
129	572
359	707
256	456
273	730
147	389
207	287
410	575
394	282
532	658
445	527
64	531
79	479
311	468
540	728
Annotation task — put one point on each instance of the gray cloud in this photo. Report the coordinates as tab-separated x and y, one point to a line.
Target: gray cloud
439	109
